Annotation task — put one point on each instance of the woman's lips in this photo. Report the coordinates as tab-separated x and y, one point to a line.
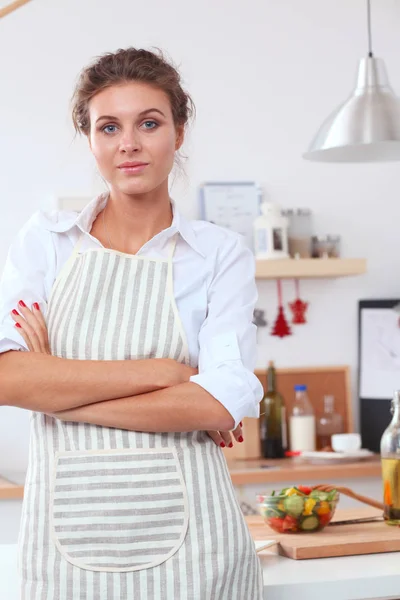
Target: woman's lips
132	170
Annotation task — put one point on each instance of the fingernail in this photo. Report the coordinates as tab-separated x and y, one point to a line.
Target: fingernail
22	303
222	444
241	424
15	312
240	439
231	445
17	325
36	305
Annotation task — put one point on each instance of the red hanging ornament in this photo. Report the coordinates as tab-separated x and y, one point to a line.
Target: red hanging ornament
281	326
298	308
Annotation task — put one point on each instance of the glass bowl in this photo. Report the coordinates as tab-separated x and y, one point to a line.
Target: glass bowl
298	513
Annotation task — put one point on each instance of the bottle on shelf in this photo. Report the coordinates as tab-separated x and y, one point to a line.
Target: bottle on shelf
273	431
302	422
390	457
328	423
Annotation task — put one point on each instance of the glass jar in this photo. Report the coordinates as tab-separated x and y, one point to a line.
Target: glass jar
302	422
300	232
328	423
390	457
327	246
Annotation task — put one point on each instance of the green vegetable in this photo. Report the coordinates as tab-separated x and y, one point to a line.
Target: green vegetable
318	495
274	512
310	523
294	505
273	493
332	495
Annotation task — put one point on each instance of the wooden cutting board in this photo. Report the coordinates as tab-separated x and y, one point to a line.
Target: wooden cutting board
336	540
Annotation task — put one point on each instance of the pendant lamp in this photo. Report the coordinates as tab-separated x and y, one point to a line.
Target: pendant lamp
366	127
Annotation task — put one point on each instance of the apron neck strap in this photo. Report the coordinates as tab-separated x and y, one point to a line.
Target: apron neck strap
172	246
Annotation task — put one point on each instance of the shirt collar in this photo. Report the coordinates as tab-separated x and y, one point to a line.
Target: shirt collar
61	221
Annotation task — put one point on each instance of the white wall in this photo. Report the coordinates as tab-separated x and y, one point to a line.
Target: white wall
263	74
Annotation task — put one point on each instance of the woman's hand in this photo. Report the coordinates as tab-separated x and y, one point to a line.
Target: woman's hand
224	438
32	326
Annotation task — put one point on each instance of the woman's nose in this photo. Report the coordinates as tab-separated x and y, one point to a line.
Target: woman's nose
130	142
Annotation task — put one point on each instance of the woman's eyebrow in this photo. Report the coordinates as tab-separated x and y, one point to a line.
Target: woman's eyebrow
141	114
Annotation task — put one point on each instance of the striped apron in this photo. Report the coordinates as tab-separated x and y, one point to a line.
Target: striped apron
111	514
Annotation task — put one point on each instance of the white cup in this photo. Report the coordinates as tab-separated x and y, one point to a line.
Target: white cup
346	442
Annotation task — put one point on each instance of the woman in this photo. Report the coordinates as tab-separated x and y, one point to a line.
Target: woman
127	492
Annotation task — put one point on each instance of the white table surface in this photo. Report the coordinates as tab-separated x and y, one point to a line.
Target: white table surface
365	577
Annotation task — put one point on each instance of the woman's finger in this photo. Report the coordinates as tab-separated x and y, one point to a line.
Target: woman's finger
30	336
217	438
226	436
33	325
238	433
43	326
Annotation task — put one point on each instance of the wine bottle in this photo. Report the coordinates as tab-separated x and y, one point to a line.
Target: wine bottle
390	456
273	419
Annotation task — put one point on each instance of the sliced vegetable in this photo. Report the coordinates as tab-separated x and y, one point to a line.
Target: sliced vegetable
304	489
276	524
318	495
310	523
294	505
290	523
308	506
324	508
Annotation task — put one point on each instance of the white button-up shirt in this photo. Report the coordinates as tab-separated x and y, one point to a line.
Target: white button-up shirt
214	290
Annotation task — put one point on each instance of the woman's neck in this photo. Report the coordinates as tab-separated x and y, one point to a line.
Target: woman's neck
129	222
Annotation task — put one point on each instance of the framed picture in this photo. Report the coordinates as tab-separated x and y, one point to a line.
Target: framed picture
233	205
378	365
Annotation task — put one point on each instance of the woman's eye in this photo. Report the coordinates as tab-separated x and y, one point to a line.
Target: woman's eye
150	124
109	128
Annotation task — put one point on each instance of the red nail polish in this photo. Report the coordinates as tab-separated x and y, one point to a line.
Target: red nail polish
36	305
15	312
240	439
222	444
17	325
241	424
22	303
231	445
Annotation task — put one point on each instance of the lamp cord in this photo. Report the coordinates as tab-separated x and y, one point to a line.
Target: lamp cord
370	54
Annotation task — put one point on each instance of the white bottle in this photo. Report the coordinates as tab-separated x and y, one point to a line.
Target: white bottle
302	422
271	233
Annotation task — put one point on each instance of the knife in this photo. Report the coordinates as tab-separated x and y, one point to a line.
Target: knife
354	521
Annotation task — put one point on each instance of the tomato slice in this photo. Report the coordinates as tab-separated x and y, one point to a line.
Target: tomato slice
324	519
305	489
276	523
289	523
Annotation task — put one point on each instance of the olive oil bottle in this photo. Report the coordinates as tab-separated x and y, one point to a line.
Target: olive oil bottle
273	432
390	456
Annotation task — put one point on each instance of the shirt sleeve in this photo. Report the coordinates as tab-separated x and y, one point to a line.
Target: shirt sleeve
28	266
227	338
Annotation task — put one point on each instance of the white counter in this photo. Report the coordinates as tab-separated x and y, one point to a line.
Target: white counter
350	578
366	577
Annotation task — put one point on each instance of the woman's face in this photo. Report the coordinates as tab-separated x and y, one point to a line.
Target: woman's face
132	123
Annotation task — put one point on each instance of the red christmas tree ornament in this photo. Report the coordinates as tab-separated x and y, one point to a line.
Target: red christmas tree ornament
298	308
281	327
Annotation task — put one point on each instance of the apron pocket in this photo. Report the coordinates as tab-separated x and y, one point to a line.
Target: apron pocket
118	510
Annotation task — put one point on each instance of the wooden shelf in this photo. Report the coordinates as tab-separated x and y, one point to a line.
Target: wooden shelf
292	268
9	490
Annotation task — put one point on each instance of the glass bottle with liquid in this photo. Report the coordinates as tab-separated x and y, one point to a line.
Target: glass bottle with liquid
273	419
302	422
328	423
390	456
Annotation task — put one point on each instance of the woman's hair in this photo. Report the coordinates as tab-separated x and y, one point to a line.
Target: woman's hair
124	66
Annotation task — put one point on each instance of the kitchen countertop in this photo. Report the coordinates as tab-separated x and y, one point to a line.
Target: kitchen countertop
245	472
367	577
363	577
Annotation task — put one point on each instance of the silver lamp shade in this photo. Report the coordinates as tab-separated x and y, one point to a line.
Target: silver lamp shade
366	127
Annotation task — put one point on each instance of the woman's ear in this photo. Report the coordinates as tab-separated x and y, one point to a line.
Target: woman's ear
180	136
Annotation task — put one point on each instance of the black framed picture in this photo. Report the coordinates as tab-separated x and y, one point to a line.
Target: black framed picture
378	366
